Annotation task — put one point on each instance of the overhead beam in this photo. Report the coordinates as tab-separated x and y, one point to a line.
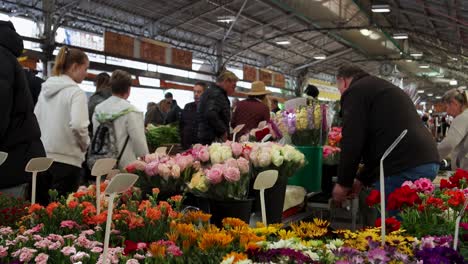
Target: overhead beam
334	55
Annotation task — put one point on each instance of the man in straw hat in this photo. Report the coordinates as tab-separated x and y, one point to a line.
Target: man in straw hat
252	110
213	111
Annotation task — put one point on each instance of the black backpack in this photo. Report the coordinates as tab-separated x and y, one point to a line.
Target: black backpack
104	144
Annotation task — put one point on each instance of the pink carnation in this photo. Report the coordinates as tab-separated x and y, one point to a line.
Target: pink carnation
243	165
151	157
79	256
41	258
96	250
132	261
236	149
3	251
68	224
67	251
231	174
214	175
424	185
5	231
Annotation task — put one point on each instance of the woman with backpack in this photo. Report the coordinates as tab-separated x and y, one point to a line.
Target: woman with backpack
62	112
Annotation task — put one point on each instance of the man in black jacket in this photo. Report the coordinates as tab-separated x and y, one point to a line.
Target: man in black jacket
375	112
187	125
214	112
19	130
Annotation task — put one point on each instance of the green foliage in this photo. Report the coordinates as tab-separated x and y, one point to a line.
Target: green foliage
159	135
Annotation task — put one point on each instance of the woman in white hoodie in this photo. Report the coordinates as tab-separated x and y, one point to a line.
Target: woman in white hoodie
62	112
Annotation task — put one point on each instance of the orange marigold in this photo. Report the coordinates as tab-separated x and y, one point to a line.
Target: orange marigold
214	240
35	207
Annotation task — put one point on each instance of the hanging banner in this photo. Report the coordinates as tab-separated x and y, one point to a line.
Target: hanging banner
250	73
182	58
279	79
265	76
117	44
152	52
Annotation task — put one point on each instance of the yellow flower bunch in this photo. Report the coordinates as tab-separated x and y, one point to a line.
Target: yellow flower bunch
285	235
301	119
311	230
234	257
261	229
317	116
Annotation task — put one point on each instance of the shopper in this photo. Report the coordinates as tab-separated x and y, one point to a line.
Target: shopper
34	83
187	124
153	115
274	106
126	123
375	113
19	130
103	91
213	112
173	115
456	142
62	112
252	110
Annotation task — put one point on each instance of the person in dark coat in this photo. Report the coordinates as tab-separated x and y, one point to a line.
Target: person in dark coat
103	91
213	111
34	83
375	112
173	115
19	131
187	125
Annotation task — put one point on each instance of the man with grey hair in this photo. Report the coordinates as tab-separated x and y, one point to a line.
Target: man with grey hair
213	111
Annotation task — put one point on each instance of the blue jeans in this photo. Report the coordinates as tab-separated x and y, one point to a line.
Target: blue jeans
395	181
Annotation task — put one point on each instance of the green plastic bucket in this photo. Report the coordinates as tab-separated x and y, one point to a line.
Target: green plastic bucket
309	176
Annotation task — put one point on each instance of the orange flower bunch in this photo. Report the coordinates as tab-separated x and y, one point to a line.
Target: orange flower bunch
35	207
51	207
186	233
214	240
196	216
231	222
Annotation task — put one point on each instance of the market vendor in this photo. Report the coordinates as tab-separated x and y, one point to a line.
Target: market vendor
375	112
456	142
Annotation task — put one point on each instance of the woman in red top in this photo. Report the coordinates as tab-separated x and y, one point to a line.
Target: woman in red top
252	110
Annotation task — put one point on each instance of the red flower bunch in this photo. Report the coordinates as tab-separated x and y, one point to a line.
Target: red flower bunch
373	198
403	196
456	197
391	223
457	180
11	209
131	246
260	134
334	136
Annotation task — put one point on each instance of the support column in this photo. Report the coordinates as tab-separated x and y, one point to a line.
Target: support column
219	56
48	36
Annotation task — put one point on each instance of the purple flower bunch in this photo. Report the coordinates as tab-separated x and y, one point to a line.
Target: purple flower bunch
439	255
272	255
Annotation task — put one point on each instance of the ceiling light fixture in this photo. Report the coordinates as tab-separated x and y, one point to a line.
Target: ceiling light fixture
424	66
430	94
409	60
283	42
226	19
453	82
320	57
454	59
380	8
420	91
416	54
438	97
374	36
400	36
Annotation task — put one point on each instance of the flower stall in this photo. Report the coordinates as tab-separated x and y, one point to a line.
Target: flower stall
68	230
